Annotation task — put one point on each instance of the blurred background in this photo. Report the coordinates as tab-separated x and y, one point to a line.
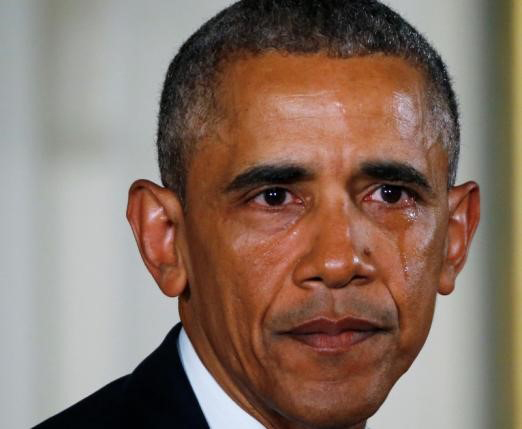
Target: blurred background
79	88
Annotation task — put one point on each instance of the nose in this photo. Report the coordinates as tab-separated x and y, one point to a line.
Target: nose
335	255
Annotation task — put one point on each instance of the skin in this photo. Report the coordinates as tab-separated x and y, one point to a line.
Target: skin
248	272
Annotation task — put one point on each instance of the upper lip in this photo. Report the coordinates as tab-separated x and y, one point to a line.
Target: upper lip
324	325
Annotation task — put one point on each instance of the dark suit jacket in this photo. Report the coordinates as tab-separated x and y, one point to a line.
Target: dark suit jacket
156	395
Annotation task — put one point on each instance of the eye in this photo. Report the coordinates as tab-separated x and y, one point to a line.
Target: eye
391	194
274	197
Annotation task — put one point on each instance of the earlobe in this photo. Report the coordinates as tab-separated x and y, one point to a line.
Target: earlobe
156	218
464	215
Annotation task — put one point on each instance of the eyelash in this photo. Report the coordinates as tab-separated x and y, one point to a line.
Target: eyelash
405	194
274	190
409	194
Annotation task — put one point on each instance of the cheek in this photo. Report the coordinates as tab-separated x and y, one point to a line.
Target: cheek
422	254
422	250
409	257
263	264
241	270
409	249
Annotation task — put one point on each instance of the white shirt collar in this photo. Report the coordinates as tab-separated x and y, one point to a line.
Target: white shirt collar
220	411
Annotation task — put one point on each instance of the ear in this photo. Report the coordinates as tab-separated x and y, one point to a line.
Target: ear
464	215
156	217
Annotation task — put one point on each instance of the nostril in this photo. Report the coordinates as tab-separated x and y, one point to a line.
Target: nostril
356	280
359	280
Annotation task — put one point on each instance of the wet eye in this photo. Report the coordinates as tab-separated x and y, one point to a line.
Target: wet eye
390	194
273	197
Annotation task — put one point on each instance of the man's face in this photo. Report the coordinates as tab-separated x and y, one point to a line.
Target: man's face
316	225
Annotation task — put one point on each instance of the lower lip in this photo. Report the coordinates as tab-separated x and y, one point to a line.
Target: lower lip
335	342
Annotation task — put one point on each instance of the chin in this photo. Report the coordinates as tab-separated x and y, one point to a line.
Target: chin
330	406
326	417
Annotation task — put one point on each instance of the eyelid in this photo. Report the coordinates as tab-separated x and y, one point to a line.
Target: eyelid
259	192
411	193
408	187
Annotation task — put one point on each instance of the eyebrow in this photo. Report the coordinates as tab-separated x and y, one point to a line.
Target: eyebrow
269	173
396	172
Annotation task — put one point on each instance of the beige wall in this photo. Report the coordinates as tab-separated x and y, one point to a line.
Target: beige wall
79	83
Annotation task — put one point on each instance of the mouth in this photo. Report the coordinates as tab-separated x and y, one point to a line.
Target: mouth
326	335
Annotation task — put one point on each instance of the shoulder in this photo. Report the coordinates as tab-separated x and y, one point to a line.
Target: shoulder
156	395
103	409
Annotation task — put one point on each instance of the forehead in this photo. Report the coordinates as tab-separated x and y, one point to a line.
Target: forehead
362	107
298	71
364	85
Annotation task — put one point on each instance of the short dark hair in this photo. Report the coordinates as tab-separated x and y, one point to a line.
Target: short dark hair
337	28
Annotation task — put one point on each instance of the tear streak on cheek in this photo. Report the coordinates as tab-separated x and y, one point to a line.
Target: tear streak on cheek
415	251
